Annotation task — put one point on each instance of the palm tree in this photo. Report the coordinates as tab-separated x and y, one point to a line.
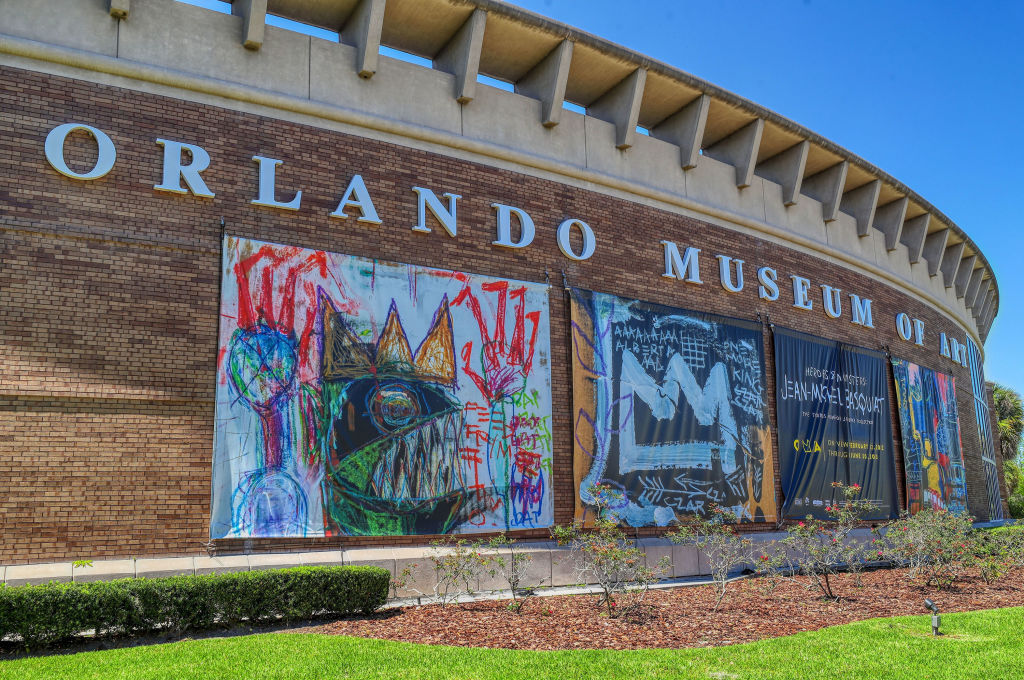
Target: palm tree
1010	424
1009	420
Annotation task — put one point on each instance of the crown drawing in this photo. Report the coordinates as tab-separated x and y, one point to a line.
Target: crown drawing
346	356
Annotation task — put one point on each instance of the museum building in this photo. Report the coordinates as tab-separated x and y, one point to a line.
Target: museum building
291	282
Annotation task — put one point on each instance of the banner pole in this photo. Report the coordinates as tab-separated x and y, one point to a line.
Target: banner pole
209	545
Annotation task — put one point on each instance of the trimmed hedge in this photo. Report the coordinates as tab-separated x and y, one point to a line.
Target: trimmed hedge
48	613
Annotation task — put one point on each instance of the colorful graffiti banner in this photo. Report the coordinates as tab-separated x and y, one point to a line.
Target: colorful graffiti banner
832	408
358	397
670	412
931	438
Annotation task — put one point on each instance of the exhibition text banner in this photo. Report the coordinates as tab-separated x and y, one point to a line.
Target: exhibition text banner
669	412
832	407
359	397
930	425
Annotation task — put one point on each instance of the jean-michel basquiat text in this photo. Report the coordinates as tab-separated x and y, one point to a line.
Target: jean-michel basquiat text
669	410
359	397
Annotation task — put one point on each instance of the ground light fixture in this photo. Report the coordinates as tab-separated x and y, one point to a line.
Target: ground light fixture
936	619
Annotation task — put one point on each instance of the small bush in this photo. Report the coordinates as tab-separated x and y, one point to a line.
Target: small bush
513	569
604	556
820	549
458	564
1013	534
717	539
934	544
45	614
403	580
995	551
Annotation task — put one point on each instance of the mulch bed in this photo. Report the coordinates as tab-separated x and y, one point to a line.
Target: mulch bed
679	617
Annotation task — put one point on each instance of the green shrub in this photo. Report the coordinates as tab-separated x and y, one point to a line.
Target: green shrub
458	564
716	537
1016	505
995	551
934	544
603	555
45	614
1016	531
821	549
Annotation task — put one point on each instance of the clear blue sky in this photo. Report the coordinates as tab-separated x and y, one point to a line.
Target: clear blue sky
931	92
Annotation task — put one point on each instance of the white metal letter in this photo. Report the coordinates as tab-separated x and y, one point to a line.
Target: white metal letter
861	311
769	288
357	196
918	332
801	289
54	150
268	177
676	266
175	171
565	245
526	228
425	199
725	273
833	303
904	326
943	345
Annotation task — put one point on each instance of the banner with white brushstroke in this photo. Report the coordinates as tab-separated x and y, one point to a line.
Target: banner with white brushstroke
670	412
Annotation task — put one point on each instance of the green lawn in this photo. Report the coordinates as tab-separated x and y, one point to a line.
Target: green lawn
988	644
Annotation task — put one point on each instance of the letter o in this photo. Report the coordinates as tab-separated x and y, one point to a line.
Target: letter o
54	149
589	242
903	325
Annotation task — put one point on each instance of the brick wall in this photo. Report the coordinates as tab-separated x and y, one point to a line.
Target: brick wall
108	326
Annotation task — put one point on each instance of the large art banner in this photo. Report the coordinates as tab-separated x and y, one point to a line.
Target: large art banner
931	438
358	397
832	407
669	412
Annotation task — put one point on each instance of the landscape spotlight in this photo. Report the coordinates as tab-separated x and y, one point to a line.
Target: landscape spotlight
936	620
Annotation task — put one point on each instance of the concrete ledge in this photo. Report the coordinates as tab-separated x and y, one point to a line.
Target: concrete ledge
655	549
685	561
541	569
321	558
261	561
563	569
373	557
486	582
422	576
221	565
552	567
165	566
35	574
106	570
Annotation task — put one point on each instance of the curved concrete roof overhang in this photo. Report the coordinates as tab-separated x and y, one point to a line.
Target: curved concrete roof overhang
613	82
814	192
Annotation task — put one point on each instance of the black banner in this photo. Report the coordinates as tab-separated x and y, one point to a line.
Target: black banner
832	405
670	411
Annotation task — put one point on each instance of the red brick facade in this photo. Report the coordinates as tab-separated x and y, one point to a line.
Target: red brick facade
108	325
